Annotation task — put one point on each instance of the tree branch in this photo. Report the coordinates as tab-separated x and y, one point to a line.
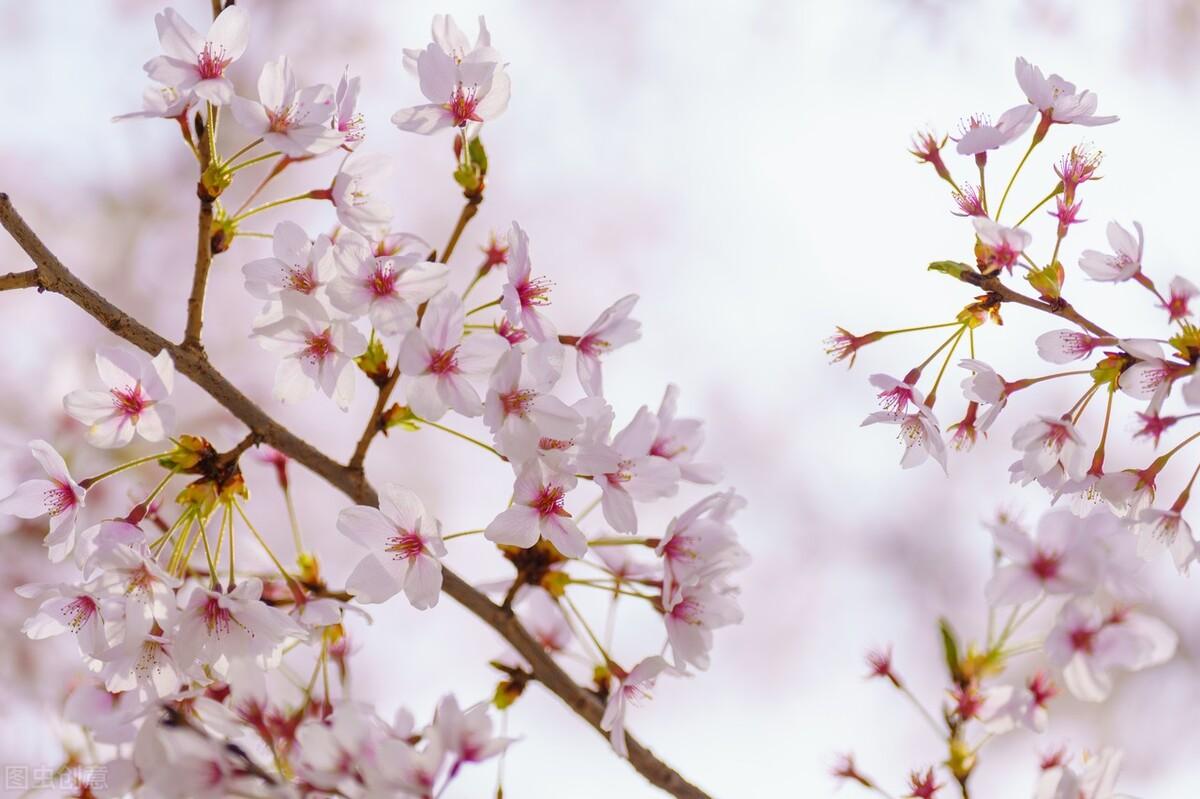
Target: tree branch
992	285
375	422
19	280
53	276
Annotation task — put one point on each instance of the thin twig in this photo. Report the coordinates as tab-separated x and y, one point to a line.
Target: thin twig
992	285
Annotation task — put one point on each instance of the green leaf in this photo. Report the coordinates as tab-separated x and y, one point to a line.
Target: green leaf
950	649
478	155
952	268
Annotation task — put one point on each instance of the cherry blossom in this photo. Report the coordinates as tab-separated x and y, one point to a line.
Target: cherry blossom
238	624
624	474
66	609
317	351
700	546
355	194
632	688
466	734
1125	260
347	120
1179	296
436	360
291	120
523	294
1057	99
919	432
1058	561
386	289
537	512
162	102
679	441
1165	529
519	411
1025	707
453	42
471	90
298	265
197	63
985	387
1097	779
58	497
404	544
1049	443
134	402
982	136
691	621
1064	346
1001	246
612	329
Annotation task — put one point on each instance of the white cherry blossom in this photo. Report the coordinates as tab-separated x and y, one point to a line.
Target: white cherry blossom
199	63
134	402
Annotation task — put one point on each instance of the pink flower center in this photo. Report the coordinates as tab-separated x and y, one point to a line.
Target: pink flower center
688	610
517	403
1045	565
405	544
623	474
129	401
212	61
592	345
382	282
300	279
59	499
560	444
549	501
535	291
896	399
282	120
462	106
78	612
319	346
1083	639
217	618
444	362
1056	436
512	334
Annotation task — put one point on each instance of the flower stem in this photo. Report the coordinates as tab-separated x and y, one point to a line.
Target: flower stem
483	307
243	151
88	482
287	578
1013	179
252	162
468	212
463	436
452	536
1057	191
273	204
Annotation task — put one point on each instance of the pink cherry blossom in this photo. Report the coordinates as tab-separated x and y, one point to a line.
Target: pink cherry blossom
690	623
1180	294
162	102
679	441
1057	99
611	330
197	63
347	120
355	194
983	136
700	547
58	497
1049	443
472	90
520	413
1123	263
1165	529
918	431
453	42
386	289
537	512
291	120
1005	244
238	624
436	360
466	734
316	351
404	544
1059	561
632	689
523	294
624	474
134	402
1064	346
1096	780
66	609
299	265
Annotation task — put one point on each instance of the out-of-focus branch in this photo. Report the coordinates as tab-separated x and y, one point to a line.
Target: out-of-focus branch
992	285
51	275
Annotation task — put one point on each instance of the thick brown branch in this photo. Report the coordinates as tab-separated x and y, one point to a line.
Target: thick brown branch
19	280
374	422
992	285
195	303
53	276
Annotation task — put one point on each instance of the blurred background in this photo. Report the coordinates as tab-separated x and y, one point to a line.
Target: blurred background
742	167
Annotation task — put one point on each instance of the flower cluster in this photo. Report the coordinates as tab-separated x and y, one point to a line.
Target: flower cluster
208	677
1085	555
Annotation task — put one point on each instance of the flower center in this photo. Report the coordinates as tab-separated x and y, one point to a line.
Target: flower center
516	403
535	291
78	612
444	362
404	545
319	346
1045	565
549	501
462	106
59	499
216	617
382	282
300	279
129	401
212	61
1083	639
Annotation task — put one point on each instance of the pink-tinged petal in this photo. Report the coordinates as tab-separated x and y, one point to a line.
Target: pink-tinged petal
218	91
423	119
366	526
424	398
414	356
231	31
1086	681
423	585
178	38
291	383
517	526
402	506
528	484
647	670
171	72
565	535
119	367
457	392
28	500
1012	585
437	73
495	102
51	461
291	244
638	436
163	368
251	116
371	582
590	378
153	422
89	407
112	432
443	321
618	509
392	316
276	84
